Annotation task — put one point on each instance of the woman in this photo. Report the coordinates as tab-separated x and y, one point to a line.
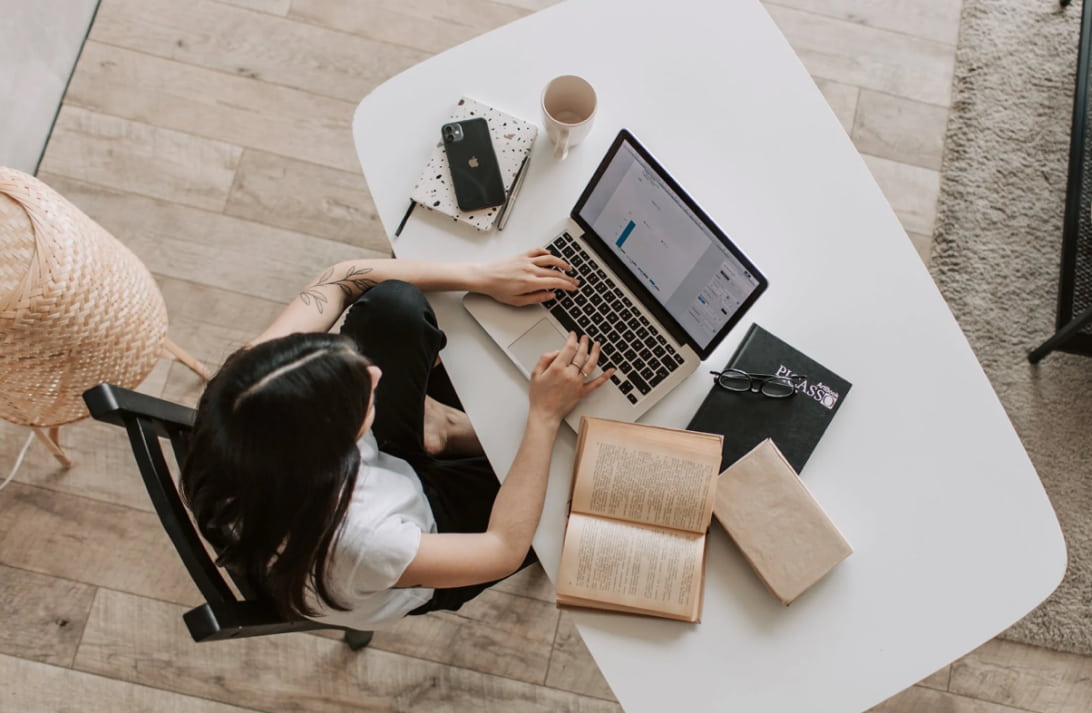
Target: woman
336	470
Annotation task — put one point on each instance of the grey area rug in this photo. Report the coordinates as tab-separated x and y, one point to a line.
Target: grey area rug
996	257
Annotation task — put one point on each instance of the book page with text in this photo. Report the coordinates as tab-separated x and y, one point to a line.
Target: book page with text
632	565
648	474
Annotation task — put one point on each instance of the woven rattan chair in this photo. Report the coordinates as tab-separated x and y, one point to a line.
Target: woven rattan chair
77	309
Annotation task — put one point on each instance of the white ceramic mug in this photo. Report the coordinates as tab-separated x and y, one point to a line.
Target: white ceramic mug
568	107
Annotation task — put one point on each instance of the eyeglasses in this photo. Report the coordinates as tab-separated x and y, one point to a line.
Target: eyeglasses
776	387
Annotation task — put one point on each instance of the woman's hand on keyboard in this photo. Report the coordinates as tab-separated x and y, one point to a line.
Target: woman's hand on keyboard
527	278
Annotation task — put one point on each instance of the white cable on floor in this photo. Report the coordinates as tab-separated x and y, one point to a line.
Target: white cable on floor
18	461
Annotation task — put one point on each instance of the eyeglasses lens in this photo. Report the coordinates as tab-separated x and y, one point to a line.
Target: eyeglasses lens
734	381
778	388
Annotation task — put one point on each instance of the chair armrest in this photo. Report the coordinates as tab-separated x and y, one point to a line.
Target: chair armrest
236	620
111	404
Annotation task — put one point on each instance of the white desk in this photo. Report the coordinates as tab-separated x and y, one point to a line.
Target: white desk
921	470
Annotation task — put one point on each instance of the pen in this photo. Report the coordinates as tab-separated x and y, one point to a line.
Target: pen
398	230
502	219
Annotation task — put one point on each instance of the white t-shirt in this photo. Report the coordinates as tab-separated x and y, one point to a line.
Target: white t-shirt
379	537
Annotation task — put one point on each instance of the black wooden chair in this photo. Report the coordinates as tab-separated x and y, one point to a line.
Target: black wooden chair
224	615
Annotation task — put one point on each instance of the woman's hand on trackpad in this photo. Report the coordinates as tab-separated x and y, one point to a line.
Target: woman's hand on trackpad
563	377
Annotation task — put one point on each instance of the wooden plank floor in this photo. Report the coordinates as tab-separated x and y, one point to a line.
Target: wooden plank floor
213	137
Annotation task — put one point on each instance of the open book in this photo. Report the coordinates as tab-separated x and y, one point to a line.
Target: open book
642	502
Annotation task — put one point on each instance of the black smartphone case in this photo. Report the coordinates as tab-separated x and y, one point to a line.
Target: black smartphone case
475	174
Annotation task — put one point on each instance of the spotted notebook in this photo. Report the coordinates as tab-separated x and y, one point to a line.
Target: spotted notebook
512	142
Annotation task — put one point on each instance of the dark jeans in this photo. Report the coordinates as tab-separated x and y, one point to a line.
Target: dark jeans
394	326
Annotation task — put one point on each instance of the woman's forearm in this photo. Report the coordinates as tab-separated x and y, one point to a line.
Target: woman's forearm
461	559
458	559
522	279
518	506
318	305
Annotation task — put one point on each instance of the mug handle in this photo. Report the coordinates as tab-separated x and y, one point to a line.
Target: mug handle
561	148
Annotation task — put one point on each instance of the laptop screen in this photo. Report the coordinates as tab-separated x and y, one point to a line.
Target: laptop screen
672	251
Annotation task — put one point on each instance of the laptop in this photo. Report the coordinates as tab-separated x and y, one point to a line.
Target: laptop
660	286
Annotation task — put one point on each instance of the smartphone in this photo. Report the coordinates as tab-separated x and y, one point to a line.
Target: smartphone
475	174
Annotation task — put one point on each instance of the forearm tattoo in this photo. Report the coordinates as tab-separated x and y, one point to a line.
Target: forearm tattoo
352	285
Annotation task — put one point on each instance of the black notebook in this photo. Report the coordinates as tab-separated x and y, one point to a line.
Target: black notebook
747	418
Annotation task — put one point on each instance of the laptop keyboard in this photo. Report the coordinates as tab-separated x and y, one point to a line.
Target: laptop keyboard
628	341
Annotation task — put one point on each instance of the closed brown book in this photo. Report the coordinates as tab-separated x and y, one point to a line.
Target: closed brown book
777	524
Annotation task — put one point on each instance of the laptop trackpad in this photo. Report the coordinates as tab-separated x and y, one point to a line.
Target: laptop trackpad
536	341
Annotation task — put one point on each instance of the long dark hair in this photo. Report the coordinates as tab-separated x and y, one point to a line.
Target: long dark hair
272	461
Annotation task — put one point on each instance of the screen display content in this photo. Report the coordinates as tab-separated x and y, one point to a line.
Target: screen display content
666	246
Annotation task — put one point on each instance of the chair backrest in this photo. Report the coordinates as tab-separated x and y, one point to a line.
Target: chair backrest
147	419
